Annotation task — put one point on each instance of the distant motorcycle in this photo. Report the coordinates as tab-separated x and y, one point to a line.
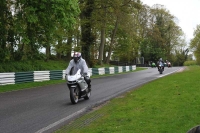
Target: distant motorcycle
169	64
165	64
160	68
78	87
153	65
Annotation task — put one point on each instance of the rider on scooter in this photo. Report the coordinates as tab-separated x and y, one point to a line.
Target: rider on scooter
79	63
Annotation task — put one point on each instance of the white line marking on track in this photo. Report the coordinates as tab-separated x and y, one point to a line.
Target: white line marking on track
60	121
171	72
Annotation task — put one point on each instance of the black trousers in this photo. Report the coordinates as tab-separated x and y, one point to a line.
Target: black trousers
88	80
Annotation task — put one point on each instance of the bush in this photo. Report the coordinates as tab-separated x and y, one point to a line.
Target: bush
103	65
1	69
190	63
37	65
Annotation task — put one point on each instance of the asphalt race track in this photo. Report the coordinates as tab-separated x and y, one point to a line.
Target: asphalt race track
44	109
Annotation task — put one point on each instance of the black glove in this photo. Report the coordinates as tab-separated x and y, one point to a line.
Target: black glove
84	74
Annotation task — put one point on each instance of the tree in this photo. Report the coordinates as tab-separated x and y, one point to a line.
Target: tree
195	43
103	21
6	31
181	56
33	24
162	34
87	38
121	9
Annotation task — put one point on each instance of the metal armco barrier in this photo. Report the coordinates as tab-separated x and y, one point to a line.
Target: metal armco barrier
7	78
35	76
41	76
24	77
56	74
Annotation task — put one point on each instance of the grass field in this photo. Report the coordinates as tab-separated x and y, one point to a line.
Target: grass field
167	105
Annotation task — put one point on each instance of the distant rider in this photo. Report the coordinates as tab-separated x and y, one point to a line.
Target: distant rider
168	63
160	61
79	63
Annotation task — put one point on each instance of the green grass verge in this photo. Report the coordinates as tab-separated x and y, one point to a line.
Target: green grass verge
167	105
14	87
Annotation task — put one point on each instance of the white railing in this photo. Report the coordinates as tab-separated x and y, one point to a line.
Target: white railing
11	78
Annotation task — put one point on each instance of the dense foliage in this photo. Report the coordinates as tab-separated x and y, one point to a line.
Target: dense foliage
195	44
102	30
190	63
28	26
37	65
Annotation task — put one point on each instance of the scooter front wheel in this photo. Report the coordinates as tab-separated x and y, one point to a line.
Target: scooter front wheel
74	94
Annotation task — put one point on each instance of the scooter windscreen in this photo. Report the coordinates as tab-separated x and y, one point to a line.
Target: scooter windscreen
74	77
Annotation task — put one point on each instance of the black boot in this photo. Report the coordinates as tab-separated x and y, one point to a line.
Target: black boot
89	87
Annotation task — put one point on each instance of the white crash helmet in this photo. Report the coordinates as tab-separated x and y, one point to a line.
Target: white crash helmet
77	57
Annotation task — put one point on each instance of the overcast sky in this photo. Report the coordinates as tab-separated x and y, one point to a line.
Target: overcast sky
187	12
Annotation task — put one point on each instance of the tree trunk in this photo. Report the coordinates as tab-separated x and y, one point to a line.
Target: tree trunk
58	53
104	54
69	43
48	51
112	41
86	28
101	47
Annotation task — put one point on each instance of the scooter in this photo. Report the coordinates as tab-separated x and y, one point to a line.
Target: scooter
78	87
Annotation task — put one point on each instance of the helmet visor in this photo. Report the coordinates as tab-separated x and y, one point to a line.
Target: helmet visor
76	59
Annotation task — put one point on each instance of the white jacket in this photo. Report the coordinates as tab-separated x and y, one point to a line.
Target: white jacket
81	64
